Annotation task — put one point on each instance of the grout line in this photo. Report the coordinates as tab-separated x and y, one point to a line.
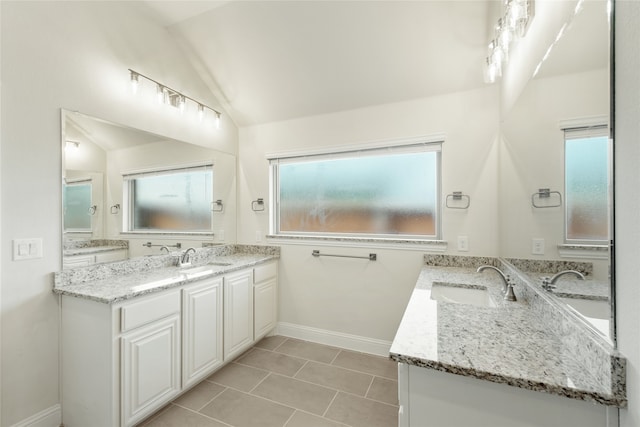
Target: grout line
330	403
289	419
335	357
280	345
300	369
258	385
201	414
214	397
373	378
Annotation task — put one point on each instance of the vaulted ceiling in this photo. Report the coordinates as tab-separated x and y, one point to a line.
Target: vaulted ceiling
277	60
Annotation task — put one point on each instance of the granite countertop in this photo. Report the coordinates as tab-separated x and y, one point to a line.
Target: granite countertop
114	282
509	344
569	286
91	250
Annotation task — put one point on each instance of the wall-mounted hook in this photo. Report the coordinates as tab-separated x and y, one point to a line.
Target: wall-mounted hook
92	210
257	205
115	209
217	206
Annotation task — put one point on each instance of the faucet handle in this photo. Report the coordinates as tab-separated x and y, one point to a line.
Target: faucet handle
509	295
547	285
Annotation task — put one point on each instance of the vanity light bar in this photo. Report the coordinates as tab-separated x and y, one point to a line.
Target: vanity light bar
513	24
167	95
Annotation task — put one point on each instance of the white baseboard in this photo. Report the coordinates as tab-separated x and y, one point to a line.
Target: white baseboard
336	339
50	417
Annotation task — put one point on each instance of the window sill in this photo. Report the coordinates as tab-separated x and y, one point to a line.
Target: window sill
168	233
365	242
584	251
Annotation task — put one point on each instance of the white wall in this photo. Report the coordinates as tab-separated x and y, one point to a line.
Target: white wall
358	297
627	204
73	55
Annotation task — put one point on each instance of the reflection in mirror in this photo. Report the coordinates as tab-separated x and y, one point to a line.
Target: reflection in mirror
555	174
106	215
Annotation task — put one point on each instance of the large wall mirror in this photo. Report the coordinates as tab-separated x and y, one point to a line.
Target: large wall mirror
555	174
121	187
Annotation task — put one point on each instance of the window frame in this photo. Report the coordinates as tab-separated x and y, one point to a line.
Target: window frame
577	131
432	144
128	202
77	182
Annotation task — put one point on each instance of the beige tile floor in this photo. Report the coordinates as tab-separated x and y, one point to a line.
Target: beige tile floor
284	382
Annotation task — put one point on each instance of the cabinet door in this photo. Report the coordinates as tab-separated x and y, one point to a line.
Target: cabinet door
150	371
201	330
238	313
264	308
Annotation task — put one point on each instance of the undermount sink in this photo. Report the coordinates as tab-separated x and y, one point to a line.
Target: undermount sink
203	270
595	309
461	294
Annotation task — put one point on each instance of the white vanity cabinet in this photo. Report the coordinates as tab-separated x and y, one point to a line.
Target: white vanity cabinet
265	299
150	355
202	329
439	399
120	362
123	361
238	313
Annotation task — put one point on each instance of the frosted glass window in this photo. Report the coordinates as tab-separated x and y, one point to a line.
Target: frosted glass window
174	201
587	187
77	202
373	193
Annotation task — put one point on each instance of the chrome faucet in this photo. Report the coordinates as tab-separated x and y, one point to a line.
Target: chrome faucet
507	285
549	284
185	259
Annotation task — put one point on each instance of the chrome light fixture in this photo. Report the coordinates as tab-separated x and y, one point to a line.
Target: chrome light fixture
513	24
172	97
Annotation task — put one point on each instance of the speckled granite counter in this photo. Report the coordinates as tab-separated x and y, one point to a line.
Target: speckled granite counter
113	282
510	344
85	247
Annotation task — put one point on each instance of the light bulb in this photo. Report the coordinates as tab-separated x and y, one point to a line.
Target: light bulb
160	94
181	103
135	82
72	146
200	112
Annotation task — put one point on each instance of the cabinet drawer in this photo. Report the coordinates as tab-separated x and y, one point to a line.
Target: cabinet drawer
150	309
265	272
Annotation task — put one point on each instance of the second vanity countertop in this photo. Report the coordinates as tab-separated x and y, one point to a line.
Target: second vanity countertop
507	344
115	282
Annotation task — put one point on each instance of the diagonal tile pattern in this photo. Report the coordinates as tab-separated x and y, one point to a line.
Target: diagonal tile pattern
285	382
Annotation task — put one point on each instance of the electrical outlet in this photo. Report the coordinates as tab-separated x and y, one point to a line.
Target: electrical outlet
537	247
463	244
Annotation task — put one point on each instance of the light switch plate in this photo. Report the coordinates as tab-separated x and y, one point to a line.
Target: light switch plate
463	244
27	249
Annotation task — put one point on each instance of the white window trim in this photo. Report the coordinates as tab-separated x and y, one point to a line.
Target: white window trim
595	126
346	148
432	142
